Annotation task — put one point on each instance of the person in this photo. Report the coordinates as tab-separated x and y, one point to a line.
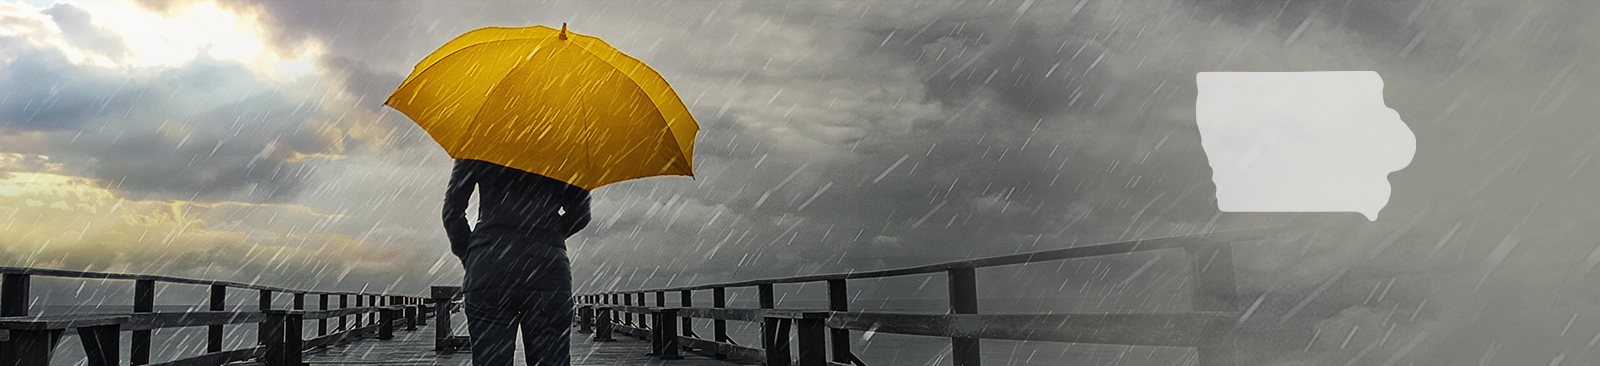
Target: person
517	271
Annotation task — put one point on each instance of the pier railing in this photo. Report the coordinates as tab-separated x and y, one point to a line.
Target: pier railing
1212	325
27	339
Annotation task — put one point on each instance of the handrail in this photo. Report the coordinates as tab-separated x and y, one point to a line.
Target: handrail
1210	327
31	339
1125	247
169	279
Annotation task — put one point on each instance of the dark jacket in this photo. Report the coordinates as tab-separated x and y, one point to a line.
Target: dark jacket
523	220
510	201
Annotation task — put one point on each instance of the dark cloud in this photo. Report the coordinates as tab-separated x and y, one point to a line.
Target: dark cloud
205	130
76	24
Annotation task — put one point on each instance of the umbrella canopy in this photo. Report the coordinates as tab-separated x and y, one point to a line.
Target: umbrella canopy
550	102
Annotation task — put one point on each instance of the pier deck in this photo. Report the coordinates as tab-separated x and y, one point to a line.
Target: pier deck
415	348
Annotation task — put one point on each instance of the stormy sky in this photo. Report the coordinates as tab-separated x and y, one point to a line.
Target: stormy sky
247	141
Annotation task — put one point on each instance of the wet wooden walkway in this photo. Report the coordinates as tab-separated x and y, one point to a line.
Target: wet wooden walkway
415	348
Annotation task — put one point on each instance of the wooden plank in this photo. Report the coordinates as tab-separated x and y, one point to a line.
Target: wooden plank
1181	329
744	314
325	314
216	358
60	322
174	319
731	350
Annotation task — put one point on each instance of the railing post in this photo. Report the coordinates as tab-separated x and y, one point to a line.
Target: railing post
441	299
813	340
627	317
360	320
219	297
687	299
272	337
100	344
14	294
262	328
669	334
422	308
282	332
602	328
322	324
839	300
14	302
1214	290
774	331
344	303
386	320
586	318
963	300
292	341
30	347
719	327
643	323
299	304
658	336
144	300
413	313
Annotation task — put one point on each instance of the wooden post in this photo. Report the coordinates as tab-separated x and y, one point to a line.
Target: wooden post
813	339
265	304
360	318
386	318
719	327
219	297
272	337
774	331
14	295
422	308
292	342
642	322
657	329
963	300
669	335
344	303
100	344
322	324
686	298
1214	290
838	300
586	319
441	299
31	347
282	341
144	300
602	327
413	313
299	304
627	317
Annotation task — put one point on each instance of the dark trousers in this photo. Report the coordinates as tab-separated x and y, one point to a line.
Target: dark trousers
544	317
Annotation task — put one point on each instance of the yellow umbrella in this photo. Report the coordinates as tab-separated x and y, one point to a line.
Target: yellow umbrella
551	102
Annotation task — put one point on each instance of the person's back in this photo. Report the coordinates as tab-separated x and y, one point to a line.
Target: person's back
518	274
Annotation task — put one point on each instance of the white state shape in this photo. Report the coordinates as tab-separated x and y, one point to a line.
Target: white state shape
1300	141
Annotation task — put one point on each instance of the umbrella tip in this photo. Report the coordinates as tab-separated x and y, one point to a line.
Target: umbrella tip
563	35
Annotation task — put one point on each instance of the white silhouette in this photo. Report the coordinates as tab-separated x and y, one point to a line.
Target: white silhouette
1300	141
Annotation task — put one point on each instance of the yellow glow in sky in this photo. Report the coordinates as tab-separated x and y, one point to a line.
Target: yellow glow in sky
174	37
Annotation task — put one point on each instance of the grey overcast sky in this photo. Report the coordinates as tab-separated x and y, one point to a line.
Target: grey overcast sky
247	140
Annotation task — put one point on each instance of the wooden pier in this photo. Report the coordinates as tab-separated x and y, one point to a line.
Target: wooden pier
626	328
